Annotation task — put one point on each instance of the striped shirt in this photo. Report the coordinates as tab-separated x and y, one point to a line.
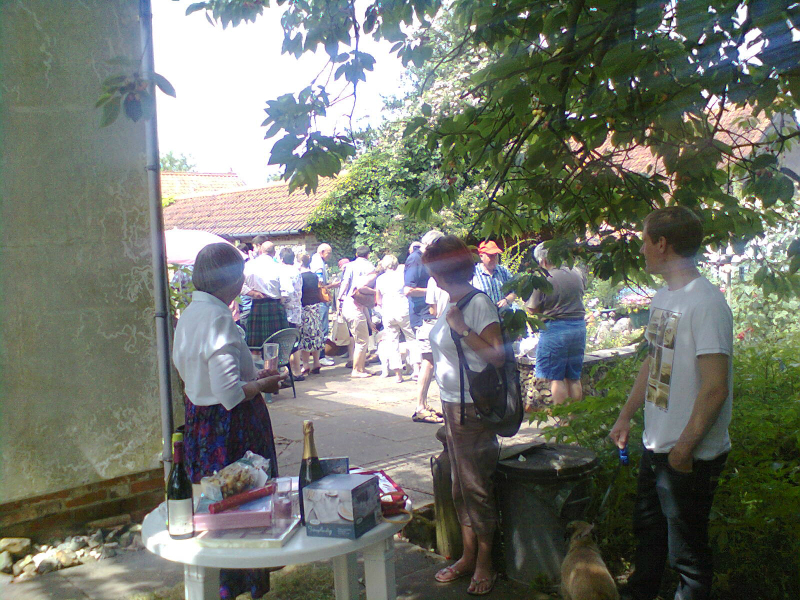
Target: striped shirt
491	283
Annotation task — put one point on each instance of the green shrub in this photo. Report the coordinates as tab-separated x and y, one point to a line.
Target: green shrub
755	521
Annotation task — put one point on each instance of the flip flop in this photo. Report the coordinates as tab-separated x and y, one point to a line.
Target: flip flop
488	581
449	574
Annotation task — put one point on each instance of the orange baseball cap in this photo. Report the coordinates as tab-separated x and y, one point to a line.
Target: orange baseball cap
488	247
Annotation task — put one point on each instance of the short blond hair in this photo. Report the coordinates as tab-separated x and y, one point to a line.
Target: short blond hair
389	262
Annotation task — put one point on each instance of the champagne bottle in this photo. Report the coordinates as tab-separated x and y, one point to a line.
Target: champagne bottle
180	510
310	468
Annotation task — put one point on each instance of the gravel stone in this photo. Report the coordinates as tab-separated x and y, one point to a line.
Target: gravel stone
21	564
77	542
96	539
50	563
18	547
6	561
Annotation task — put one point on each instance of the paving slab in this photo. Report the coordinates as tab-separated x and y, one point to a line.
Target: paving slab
116	578
368	420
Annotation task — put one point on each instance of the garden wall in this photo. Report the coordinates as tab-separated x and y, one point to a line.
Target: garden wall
536	392
78	381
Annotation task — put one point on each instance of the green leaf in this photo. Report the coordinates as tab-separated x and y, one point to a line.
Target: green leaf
195	7
114	81
103	99
111	111
164	85
763	161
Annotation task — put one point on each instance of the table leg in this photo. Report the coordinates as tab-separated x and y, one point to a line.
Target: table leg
379	570
345	576
200	583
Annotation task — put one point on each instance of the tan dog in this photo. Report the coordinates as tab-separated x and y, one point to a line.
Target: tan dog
584	575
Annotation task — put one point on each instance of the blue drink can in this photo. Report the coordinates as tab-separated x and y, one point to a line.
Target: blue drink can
624	459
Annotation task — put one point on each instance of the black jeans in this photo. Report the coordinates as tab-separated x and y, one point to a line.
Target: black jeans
670	521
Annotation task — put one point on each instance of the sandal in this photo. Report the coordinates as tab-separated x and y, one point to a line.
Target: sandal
426	417
488	582
449	574
315	371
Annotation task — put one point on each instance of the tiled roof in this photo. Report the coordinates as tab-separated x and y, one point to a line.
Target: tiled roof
175	183
245	212
734	131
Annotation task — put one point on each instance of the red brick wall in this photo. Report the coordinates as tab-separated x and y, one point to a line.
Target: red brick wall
68	510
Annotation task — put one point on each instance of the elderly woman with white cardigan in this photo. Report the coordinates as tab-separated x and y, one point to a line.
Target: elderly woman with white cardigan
225	412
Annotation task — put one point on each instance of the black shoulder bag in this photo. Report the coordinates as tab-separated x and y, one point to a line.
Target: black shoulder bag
495	391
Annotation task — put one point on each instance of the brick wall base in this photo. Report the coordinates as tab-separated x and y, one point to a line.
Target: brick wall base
69	510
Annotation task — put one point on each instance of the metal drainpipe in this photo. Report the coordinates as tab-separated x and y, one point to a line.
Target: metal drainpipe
162	315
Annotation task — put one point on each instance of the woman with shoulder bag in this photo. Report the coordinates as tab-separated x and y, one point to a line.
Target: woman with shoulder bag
473	448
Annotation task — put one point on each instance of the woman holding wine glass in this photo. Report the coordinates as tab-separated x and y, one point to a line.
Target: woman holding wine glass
225	411
472	448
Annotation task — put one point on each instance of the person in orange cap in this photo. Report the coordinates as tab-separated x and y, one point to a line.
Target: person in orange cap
490	275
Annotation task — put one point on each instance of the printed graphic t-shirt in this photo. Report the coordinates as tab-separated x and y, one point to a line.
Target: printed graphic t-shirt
684	324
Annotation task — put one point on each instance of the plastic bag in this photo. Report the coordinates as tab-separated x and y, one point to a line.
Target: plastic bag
250	471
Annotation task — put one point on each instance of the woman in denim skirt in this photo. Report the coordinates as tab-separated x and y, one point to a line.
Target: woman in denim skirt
559	355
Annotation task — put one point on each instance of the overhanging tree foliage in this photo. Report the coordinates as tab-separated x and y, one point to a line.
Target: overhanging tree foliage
565	93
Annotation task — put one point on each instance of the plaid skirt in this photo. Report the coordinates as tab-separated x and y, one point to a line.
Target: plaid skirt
215	437
266	317
311	335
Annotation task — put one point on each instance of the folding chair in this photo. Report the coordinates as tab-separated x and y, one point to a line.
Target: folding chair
287	339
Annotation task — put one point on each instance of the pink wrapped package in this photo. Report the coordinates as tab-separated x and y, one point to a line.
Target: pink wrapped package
256	513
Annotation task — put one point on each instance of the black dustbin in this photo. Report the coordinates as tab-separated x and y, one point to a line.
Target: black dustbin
541	488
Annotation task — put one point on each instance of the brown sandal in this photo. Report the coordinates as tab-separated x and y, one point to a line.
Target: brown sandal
426	416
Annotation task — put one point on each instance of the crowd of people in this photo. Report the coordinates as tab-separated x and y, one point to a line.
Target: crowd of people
684	385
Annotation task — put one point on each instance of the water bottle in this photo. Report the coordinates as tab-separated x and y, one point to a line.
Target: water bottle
624	459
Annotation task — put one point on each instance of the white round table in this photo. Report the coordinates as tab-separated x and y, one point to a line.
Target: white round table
202	564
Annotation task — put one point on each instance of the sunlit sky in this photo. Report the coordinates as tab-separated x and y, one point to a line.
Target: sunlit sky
224	78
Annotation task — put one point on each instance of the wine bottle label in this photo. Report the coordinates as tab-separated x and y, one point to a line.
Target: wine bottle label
180	515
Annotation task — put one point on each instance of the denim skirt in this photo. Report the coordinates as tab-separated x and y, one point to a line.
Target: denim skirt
559	354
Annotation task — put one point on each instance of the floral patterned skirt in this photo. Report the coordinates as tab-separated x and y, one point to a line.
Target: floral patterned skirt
215	437
311	334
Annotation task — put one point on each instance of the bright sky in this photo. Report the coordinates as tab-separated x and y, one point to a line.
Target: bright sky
224	78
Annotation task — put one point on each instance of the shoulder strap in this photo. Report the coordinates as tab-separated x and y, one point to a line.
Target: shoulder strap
461	304
462	364
462	361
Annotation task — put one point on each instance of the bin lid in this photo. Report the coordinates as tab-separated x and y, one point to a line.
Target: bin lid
546	461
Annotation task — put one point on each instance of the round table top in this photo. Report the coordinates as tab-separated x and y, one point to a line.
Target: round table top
299	549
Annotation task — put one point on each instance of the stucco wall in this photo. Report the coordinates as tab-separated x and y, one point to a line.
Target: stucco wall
78	380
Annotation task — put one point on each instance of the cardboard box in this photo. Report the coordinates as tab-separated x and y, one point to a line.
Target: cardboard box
342	506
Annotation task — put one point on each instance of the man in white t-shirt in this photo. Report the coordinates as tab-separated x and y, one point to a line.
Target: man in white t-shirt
686	388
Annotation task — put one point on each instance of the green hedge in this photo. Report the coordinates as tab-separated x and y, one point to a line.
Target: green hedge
755	520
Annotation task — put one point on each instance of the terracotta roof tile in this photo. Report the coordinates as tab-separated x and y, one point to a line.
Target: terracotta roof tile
249	211
736	131
174	184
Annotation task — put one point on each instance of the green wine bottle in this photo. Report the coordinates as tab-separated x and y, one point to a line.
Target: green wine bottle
180	510
310	467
